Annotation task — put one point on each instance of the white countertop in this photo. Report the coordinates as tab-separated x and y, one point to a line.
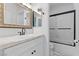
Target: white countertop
8	41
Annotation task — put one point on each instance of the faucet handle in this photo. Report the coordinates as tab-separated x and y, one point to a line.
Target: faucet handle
19	33
23	31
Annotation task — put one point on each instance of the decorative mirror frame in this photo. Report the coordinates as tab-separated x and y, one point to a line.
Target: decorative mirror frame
2	25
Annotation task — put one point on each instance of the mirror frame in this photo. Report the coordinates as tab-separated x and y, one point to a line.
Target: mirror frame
29	26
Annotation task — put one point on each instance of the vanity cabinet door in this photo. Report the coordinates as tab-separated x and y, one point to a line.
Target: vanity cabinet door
1	52
36	50
31	48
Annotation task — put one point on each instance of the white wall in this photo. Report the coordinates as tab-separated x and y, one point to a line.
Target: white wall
44	29
60	7
45	22
64	49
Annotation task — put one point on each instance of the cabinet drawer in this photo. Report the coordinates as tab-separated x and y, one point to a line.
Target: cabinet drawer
21	48
36	50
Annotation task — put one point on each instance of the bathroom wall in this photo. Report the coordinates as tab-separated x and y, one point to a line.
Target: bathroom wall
64	49
44	29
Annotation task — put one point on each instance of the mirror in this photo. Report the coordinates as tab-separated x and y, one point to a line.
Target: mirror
15	15
24	15
37	19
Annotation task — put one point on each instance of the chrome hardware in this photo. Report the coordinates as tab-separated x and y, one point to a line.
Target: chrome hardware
22	32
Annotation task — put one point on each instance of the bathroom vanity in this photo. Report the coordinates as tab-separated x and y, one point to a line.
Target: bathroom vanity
23	46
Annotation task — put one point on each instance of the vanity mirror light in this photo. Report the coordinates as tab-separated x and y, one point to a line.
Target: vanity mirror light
15	15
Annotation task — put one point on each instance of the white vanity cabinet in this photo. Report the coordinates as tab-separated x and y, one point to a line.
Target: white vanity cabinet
1	52
34	47
36	50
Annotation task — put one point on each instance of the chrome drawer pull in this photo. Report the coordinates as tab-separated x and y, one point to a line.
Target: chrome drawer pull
32	53
34	50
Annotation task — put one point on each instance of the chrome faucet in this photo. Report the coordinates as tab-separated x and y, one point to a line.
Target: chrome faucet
22	32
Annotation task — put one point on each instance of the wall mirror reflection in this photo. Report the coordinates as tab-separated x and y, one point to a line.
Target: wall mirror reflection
37	19
15	15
